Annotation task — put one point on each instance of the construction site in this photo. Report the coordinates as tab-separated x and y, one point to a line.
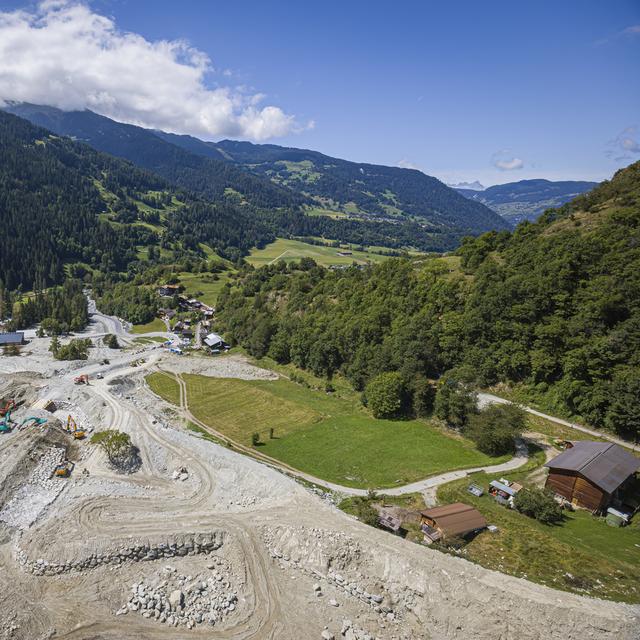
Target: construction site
199	540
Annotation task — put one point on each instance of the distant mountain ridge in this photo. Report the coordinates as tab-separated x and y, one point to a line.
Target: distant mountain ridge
527	199
273	177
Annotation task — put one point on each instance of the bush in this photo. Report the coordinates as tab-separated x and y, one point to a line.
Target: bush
423	398
454	403
362	509
539	504
118	448
385	395
77	349
495	429
111	341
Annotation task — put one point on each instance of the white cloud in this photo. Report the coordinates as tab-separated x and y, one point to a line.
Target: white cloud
64	54
624	146
407	164
506	161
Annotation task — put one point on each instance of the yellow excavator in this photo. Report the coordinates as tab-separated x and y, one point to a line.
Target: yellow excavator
64	469
72	428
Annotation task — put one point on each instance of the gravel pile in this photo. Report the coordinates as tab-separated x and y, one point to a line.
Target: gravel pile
32	498
178	600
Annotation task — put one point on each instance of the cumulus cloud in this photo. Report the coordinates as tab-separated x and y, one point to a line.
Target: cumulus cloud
407	164
64	54
625	145
506	161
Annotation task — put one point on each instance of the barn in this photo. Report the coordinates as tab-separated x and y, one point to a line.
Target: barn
591	474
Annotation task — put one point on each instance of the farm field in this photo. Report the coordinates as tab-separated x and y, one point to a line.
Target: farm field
290	250
583	554
203	286
331	438
155	325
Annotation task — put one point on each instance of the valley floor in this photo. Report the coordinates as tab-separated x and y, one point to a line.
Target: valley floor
203	541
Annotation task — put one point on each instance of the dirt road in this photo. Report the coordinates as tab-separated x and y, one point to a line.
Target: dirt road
203	541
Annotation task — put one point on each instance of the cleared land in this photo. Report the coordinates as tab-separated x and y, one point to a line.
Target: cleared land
204	286
329	437
155	325
290	250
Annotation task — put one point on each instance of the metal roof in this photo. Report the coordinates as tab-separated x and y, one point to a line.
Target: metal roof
456	519
16	337
503	487
213	339
605	464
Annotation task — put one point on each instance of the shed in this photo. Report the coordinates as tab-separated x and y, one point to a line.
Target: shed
450	520
591	474
389	521
14	337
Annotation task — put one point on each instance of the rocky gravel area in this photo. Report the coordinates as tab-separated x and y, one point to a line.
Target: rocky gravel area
227	366
174	599
32	498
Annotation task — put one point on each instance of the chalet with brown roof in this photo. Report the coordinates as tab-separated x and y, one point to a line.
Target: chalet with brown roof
591	474
450	521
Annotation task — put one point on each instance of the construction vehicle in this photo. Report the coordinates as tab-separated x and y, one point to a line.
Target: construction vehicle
37	422
6	425
83	379
73	429
9	406
63	470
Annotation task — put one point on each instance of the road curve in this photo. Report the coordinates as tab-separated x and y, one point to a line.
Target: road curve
485	399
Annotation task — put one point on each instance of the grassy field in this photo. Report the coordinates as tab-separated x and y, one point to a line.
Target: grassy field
331	438
290	250
203	286
582	554
155	325
164	386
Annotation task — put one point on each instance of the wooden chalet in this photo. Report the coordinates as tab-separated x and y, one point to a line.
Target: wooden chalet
591	474
451	520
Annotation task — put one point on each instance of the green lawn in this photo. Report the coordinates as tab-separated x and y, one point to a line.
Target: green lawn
165	386
331	438
203	285
155	325
601	561
290	250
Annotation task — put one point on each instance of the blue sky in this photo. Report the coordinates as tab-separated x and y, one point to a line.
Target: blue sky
544	89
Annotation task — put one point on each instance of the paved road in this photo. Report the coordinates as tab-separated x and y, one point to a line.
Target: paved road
485	399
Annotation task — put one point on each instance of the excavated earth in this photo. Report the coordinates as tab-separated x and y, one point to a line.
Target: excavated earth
203	542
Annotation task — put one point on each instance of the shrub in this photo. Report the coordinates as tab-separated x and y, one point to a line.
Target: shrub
539	504
77	349
385	395
495	429
111	341
117	447
255	439
362	509
454	403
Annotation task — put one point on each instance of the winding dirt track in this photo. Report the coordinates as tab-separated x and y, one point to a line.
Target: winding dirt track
458	600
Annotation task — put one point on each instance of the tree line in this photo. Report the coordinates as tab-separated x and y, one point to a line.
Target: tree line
552	309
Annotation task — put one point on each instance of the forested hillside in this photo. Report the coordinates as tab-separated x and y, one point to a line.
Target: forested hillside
527	199
365	190
206	176
553	307
62	202
411	208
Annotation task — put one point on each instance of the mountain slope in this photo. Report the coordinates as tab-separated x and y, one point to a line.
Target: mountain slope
527	199
360	189
63	202
553	307
202	174
272	177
